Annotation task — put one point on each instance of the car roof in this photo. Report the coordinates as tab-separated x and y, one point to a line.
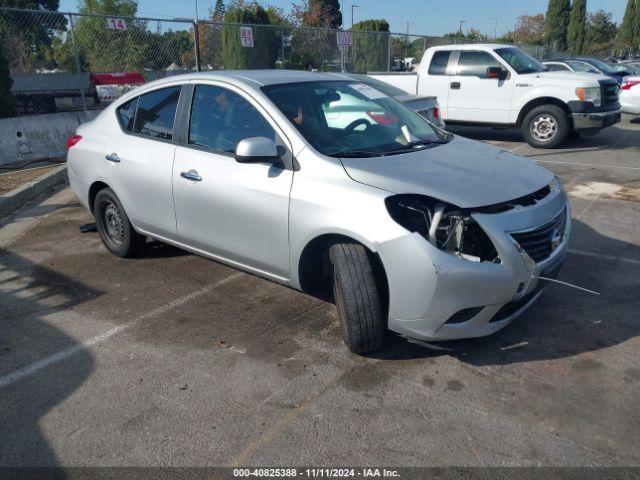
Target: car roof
256	78
480	46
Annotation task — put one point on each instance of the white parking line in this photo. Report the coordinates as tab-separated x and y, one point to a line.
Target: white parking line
587	164
604	256
69	352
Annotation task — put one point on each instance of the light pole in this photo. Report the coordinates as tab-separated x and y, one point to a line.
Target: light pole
460	28
196	10
495	27
406	42
352	7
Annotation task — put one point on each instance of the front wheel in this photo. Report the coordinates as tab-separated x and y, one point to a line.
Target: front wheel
546	126
357	296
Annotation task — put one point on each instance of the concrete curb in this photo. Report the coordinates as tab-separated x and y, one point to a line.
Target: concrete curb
18	196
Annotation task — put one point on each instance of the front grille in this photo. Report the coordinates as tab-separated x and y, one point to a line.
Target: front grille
610	92
537	243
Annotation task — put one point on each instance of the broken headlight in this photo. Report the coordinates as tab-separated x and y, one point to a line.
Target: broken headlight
445	226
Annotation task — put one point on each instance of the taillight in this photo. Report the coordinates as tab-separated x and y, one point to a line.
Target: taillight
71	141
436	112
384	118
628	84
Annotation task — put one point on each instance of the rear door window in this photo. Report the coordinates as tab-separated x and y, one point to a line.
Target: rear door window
126	114
156	113
439	62
475	64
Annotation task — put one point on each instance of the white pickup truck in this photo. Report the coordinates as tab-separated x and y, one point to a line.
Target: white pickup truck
502	86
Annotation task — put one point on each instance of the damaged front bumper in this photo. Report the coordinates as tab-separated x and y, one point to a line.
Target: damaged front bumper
435	295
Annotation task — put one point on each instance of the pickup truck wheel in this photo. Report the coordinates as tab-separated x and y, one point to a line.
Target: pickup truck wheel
114	227
357	298
545	126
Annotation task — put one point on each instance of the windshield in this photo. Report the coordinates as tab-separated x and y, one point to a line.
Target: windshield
583	67
602	66
350	118
520	61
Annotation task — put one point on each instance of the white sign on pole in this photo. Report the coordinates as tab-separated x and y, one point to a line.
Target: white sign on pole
345	39
246	36
116	24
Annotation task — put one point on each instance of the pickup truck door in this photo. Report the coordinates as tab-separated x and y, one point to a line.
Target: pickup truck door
238	212
475	98
435	80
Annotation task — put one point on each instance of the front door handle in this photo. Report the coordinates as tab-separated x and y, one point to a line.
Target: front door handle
113	157
191	175
455	85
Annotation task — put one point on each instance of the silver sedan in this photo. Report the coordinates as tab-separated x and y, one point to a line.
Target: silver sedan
404	226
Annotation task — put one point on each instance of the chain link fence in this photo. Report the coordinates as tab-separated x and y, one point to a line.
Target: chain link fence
69	61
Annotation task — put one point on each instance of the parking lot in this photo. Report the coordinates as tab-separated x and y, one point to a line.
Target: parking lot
172	359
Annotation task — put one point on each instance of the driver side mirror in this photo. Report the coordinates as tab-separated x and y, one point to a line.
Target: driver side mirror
257	150
497	73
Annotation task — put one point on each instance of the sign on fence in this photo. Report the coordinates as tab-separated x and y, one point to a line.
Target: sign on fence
246	36
116	24
345	39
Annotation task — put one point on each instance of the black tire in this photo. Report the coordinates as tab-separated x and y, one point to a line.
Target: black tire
546	126
114	226
357	297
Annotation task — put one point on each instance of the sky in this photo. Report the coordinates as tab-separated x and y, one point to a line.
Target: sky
425	17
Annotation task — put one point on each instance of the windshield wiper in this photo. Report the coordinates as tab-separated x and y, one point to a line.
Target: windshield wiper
355	154
417	143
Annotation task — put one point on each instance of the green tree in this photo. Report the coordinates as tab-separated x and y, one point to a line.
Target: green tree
110	50
627	34
600	34
473	35
266	45
370	49
556	24
217	14
6	100
577	26
330	11
28	35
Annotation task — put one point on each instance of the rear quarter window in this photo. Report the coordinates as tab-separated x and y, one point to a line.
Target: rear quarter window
126	113
439	62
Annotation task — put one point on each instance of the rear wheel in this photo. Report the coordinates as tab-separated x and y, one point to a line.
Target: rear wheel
114	227
357	297
546	126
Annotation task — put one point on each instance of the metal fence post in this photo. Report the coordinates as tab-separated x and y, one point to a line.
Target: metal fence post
282	45
389	53
78	66
196	45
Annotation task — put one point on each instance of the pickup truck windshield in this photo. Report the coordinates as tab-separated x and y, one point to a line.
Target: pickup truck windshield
520	61
353	119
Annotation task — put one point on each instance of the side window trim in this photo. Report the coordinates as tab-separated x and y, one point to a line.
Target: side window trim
174	139
289	163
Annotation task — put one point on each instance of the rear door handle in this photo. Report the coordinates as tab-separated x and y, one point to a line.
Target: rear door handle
455	85
191	175
113	157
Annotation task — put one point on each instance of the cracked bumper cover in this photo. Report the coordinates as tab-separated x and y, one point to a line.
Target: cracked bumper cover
428	286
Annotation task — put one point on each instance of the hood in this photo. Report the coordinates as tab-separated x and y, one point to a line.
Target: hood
576	76
463	172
